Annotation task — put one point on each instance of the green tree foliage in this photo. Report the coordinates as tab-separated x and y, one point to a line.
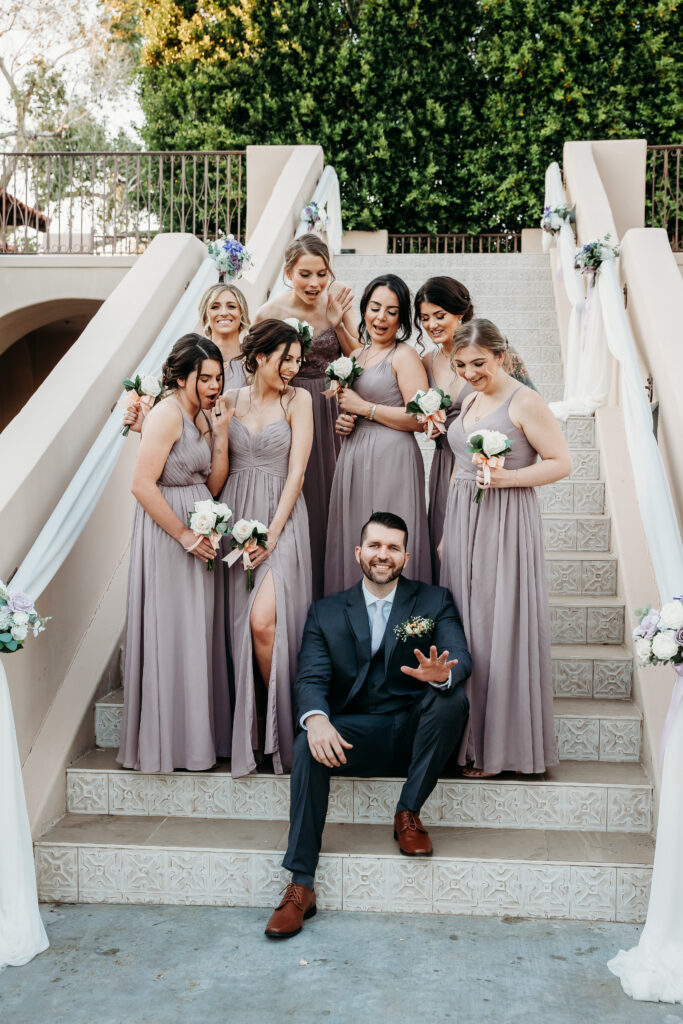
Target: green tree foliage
436	116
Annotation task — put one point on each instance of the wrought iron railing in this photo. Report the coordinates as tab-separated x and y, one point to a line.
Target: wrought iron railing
117	202
455	243
663	195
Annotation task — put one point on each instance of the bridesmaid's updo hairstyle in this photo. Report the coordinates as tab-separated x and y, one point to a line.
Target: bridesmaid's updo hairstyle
186	356
447	293
211	294
482	333
400	289
264	338
309	244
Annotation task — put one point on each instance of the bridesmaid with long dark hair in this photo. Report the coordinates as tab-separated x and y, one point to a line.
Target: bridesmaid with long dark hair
493	563
380	465
269	444
326	305
176	705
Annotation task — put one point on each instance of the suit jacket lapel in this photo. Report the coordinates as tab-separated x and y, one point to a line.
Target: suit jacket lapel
357	615
404	602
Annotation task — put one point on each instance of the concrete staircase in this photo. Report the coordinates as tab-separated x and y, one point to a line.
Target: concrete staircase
574	845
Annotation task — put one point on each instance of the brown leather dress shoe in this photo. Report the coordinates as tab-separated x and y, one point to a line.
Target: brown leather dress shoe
298	904
413	837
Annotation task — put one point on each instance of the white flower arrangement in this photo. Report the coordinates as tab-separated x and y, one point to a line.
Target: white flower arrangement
18	618
554	217
142	391
247	536
304	330
231	257
590	257
315	216
209	519
430	407
341	373
414	629
488	448
659	634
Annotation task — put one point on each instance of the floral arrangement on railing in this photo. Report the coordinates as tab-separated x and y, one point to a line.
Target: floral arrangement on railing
554	217
17	617
231	257
590	257
315	216
659	634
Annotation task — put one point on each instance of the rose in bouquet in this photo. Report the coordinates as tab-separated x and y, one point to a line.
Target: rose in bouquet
304	330
659	634
142	390
231	257
430	407
315	216
341	373
590	257
489	448
554	217
247	536
209	519
17	618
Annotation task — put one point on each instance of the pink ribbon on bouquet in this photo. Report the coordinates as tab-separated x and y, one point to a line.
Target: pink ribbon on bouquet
334	388
676	698
251	545
489	462
435	422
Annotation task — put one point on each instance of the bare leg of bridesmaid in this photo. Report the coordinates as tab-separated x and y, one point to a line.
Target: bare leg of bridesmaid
263	620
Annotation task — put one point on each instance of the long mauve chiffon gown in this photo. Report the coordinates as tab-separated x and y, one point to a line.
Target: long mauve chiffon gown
258	470
493	565
326	446
379	469
440	475
176	710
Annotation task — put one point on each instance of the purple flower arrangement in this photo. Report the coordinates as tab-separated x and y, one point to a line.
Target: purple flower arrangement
230	256
17	618
659	634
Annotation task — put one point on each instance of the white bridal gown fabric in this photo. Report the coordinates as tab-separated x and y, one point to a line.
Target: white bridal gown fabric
653	970
22	934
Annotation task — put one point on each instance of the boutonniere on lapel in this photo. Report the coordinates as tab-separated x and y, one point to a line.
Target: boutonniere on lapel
414	629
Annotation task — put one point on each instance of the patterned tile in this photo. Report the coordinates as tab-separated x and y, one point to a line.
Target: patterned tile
328	883
598	577
108	725
363	883
572	678
592	534
212	797
633	894
57	873
455	887
564	577
252	797
500	889
142	877
409	886
557	497
581	432
578	739
99	875
87	792
542	806
229	879
612	679
629	809
500	805
592	893
586	807
604	625
619	739
589	497
340	806
559	534
170	795
568	624
459	803
375	800
267	879
545	891
585	464
129	794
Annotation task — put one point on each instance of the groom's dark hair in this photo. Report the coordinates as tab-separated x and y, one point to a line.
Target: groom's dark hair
389	520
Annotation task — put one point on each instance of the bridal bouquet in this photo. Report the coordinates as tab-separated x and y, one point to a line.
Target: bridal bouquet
590	257
554	217
143	391
659	634
315	216
209	519
341	373
231	257
489	448
247	536
17	617
304	330
430	407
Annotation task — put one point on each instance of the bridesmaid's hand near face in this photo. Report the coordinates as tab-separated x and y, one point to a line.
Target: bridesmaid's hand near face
345	423
339	302
220	417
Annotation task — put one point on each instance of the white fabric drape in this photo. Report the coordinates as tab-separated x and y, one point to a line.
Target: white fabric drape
22	935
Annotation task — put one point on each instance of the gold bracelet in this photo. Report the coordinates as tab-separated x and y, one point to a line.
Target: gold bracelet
371	414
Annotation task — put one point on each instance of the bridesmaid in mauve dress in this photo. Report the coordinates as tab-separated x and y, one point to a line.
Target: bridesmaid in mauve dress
269	442
380	468
176	709
492	562
327	305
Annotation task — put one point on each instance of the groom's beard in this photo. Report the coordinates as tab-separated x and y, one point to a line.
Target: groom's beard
380	573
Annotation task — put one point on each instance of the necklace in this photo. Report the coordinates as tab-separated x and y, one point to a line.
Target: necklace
368	361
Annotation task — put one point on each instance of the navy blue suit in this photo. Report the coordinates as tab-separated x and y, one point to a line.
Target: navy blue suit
397	725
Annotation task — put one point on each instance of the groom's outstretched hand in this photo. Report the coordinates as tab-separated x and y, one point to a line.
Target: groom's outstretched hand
327	745
432	669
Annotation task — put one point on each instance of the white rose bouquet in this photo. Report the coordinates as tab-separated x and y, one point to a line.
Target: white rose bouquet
17	618
341	373
554	217
304	330
143	391
315	216
247	536
659	634
231	257
430	407
590	257
209	519
489	448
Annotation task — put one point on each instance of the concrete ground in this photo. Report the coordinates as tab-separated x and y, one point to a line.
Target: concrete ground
190	965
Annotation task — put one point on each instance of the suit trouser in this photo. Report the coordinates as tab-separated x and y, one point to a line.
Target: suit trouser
414	743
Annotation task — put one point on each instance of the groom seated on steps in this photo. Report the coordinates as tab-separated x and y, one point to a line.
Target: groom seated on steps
378	692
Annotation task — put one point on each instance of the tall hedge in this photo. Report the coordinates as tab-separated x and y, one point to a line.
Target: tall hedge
437	116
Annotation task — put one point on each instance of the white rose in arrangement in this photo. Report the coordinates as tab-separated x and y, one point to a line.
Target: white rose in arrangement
202	522
261	527
343	367
555	221
21	618
664	645
242	530
5	619
671	615
19	633
4	592
292	321
221	510
643	649
205	506
149	385
493	442
430	402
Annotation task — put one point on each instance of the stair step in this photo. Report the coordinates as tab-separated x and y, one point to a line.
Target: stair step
585	464
581	572
225	862
587	496
590	729
592	670
573	531
574	795
586	620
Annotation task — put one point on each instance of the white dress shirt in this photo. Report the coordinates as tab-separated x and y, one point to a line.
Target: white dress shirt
370	601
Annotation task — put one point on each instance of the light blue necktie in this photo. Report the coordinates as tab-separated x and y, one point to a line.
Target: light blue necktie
378	627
